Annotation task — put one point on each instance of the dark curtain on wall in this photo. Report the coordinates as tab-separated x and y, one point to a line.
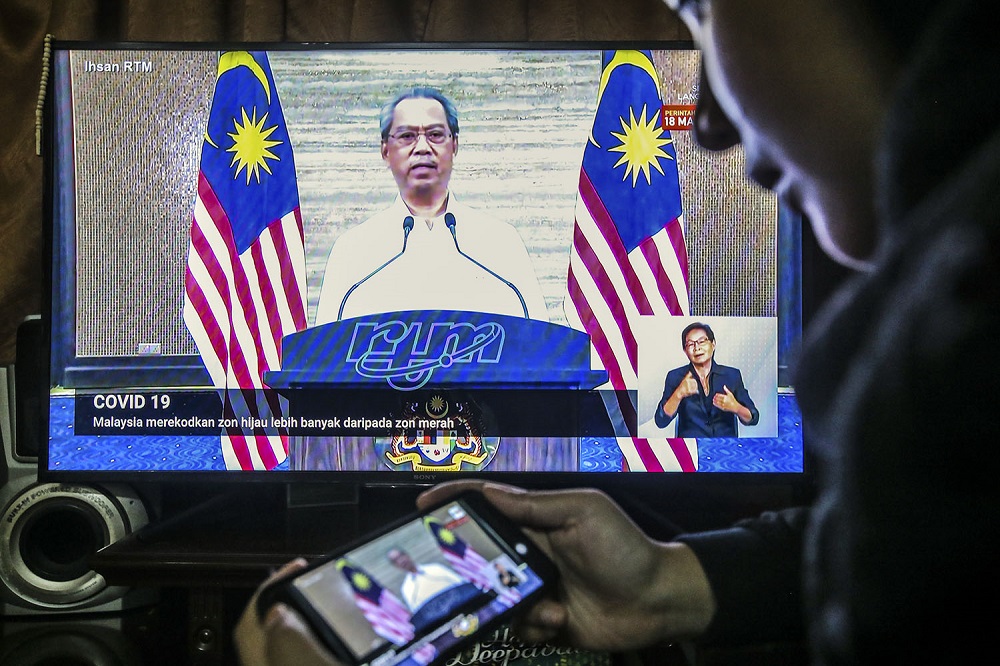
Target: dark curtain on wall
24	24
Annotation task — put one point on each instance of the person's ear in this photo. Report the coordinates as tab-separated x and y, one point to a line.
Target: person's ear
454	147
385	151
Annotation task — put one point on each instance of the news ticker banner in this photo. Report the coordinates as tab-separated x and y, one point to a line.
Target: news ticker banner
677	117
346	412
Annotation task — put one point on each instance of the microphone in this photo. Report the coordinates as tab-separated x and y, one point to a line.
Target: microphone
449	220
407	228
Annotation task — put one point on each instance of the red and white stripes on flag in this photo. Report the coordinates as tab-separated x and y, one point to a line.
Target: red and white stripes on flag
237	308
611	287
473	567
389	618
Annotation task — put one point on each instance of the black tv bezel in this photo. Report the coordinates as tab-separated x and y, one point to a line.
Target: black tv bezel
725	487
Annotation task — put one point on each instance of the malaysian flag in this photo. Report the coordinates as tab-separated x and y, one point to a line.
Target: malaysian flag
468	563
245	282
628	257
388	616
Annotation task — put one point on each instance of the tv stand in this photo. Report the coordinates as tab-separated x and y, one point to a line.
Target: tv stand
237	537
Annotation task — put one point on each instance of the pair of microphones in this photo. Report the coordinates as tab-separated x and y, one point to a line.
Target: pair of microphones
451	223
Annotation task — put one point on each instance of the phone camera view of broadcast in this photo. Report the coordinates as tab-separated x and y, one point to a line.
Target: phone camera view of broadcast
421	590
382	260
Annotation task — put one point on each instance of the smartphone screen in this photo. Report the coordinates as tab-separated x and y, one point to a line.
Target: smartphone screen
416	592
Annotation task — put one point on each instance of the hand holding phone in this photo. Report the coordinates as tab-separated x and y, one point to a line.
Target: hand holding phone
619	589
281	638
420	589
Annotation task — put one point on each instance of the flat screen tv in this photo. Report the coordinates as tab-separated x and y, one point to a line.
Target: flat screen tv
253	275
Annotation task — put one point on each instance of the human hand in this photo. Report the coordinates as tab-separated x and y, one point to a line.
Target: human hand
282	637
687	387
618	589
726	401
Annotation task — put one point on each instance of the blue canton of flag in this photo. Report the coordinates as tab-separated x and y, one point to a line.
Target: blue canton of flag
630	159
245	281
628	257
247	155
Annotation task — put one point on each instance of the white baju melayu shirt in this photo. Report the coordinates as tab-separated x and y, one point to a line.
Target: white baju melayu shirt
431	274
427	582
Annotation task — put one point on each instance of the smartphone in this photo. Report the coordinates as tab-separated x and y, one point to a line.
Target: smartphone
418	590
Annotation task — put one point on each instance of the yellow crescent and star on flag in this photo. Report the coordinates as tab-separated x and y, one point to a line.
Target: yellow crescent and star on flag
251	146
446	536
641	140
359	580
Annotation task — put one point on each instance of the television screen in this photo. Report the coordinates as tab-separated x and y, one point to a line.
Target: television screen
386	262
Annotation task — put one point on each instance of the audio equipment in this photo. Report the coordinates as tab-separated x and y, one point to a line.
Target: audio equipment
48	531
79	640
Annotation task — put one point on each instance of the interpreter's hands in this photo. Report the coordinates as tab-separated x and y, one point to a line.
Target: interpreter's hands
282	637
618	589
726	401
687	388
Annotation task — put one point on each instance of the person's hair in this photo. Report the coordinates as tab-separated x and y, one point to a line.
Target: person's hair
419	92
696	325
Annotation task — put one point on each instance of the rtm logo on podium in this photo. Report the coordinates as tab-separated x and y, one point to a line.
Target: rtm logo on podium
406	355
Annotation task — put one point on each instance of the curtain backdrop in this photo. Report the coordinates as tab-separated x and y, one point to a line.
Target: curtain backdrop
24	24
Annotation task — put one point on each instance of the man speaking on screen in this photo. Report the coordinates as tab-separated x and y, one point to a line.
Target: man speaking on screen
427	251
706	397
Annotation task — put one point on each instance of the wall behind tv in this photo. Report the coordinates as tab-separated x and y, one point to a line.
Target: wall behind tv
24	24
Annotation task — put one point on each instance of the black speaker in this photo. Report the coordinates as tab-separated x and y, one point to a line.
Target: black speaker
80	640
49	531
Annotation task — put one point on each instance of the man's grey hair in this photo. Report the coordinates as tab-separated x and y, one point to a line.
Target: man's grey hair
419	92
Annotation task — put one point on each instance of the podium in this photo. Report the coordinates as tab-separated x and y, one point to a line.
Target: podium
504	377
439	348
